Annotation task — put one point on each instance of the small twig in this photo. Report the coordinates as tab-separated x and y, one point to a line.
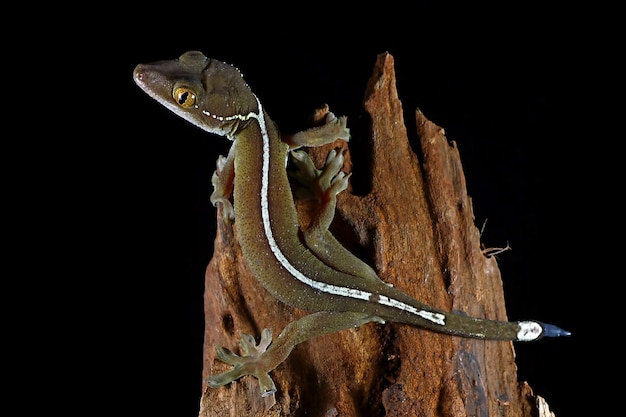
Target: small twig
489	252
482	229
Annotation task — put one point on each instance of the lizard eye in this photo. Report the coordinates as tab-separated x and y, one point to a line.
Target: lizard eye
184	96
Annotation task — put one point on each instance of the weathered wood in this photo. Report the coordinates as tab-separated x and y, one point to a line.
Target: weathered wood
413	222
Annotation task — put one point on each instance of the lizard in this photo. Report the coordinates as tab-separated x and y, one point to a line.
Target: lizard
306	268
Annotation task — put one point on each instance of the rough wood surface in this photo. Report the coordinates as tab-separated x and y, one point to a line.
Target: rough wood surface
413	222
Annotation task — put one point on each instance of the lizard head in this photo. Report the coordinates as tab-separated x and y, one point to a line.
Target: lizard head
206	92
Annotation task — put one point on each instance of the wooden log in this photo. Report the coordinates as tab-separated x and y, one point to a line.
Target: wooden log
412	221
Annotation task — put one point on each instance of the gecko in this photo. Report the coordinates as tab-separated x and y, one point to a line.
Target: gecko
306	268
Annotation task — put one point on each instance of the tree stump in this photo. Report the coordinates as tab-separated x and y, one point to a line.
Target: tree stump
413	223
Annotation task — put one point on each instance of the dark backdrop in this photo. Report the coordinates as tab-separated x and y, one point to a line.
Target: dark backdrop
505	83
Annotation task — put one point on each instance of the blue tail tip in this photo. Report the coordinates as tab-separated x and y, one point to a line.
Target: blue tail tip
550	330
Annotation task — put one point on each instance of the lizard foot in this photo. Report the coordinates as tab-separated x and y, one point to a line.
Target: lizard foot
327	129
322	116
250	363
323	184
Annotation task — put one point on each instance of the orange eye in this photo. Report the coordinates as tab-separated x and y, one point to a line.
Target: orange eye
184	96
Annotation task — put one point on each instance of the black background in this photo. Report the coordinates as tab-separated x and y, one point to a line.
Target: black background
508	84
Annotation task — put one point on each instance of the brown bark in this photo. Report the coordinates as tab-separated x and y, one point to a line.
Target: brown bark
413	222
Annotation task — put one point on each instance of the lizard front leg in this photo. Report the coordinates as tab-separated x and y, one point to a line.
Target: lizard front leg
329	130
223	181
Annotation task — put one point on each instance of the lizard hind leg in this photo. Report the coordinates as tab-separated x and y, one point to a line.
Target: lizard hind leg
324	185
259	360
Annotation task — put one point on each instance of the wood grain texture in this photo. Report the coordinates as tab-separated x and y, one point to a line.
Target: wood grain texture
412	221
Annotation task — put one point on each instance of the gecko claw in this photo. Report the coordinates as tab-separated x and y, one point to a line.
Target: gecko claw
249	363
317	184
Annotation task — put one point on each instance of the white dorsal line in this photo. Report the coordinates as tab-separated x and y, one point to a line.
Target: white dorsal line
436	318
237	116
